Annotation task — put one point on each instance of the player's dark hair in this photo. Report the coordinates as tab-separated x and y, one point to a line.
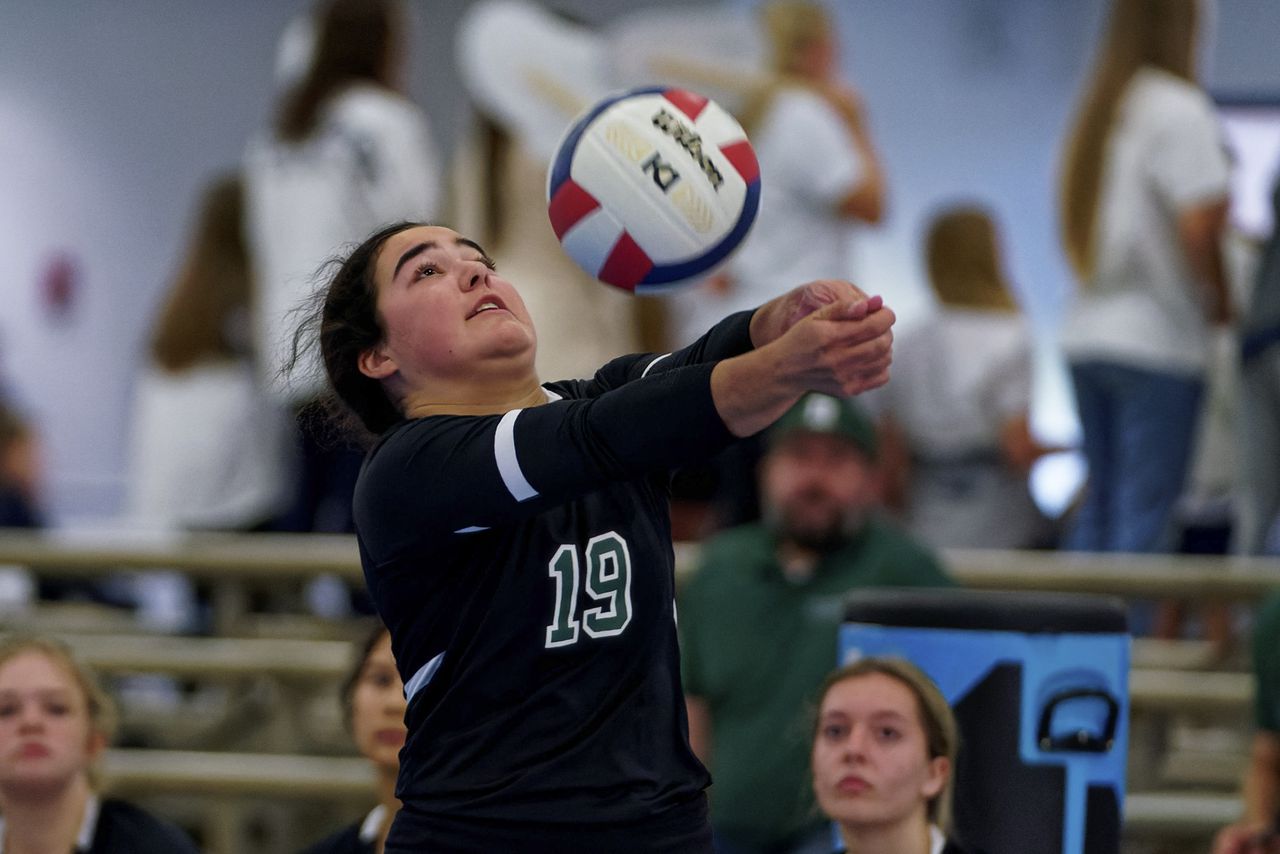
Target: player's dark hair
342	320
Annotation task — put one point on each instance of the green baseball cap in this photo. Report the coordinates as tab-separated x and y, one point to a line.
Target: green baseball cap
832	416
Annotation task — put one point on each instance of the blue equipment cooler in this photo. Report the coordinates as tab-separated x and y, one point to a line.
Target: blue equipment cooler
1039	685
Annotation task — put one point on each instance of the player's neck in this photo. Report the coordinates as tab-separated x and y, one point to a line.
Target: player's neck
904	837
490	400
45	823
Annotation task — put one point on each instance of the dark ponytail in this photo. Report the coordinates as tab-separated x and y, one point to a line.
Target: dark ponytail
342	320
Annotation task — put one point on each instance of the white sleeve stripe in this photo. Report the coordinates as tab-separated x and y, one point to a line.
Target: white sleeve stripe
474	529
504	450
649	367
419	680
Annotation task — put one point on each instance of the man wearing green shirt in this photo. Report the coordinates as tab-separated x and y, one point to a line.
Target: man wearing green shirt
1257	833
758	622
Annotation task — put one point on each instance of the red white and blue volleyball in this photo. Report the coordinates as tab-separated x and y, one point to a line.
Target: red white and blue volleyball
652	188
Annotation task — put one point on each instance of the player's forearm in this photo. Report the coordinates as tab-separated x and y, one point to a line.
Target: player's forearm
841	349
753	390
1262	778
699	728
728	338
1261	793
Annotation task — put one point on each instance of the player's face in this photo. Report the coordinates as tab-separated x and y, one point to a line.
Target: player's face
46	737
446	312
816	487
377	708
871	765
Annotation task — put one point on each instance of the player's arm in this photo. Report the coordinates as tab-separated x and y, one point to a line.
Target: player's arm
1262	779
842	349
699	712
739	333
454	473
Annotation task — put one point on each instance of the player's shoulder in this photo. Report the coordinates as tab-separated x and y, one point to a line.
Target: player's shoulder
416	434
416	442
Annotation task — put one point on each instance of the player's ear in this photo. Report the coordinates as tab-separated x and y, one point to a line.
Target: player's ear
376	363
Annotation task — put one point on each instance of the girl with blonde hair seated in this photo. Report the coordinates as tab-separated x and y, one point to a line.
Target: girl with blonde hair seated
55	723
884	749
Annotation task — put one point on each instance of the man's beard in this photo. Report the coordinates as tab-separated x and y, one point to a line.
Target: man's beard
822	539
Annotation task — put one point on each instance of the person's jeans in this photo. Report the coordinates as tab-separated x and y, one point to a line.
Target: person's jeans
1138	427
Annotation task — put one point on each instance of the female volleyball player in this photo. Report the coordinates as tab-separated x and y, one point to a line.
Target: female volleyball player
515	537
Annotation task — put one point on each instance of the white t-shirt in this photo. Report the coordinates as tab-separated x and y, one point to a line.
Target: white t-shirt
808	164
957	377
1145	306
371	161
206	451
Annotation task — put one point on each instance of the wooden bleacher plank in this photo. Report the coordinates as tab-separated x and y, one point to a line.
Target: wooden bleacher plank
1149	653
298	556
214	657
204	555
1184	690
1165	814
243	774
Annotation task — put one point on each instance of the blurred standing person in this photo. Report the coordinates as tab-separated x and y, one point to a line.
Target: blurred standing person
202	455
373	707
958	447
1259	519
19	472
206	450
347	153
19	500
1258	831
822	173
1144	201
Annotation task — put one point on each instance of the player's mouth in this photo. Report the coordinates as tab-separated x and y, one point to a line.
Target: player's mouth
852	784
488	304
391	737
33	750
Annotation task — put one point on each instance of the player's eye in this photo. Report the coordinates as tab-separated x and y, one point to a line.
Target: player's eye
424	270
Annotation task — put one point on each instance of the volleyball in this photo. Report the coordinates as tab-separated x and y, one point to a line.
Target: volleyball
652	188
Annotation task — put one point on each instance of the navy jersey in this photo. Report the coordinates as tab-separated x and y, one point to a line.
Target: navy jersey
523	565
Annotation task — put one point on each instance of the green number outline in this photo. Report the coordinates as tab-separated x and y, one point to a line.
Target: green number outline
608	582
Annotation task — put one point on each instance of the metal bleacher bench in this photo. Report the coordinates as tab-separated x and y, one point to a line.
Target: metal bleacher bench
1166	678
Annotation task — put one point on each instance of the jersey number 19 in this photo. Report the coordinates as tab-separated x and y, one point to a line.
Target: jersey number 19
607	583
